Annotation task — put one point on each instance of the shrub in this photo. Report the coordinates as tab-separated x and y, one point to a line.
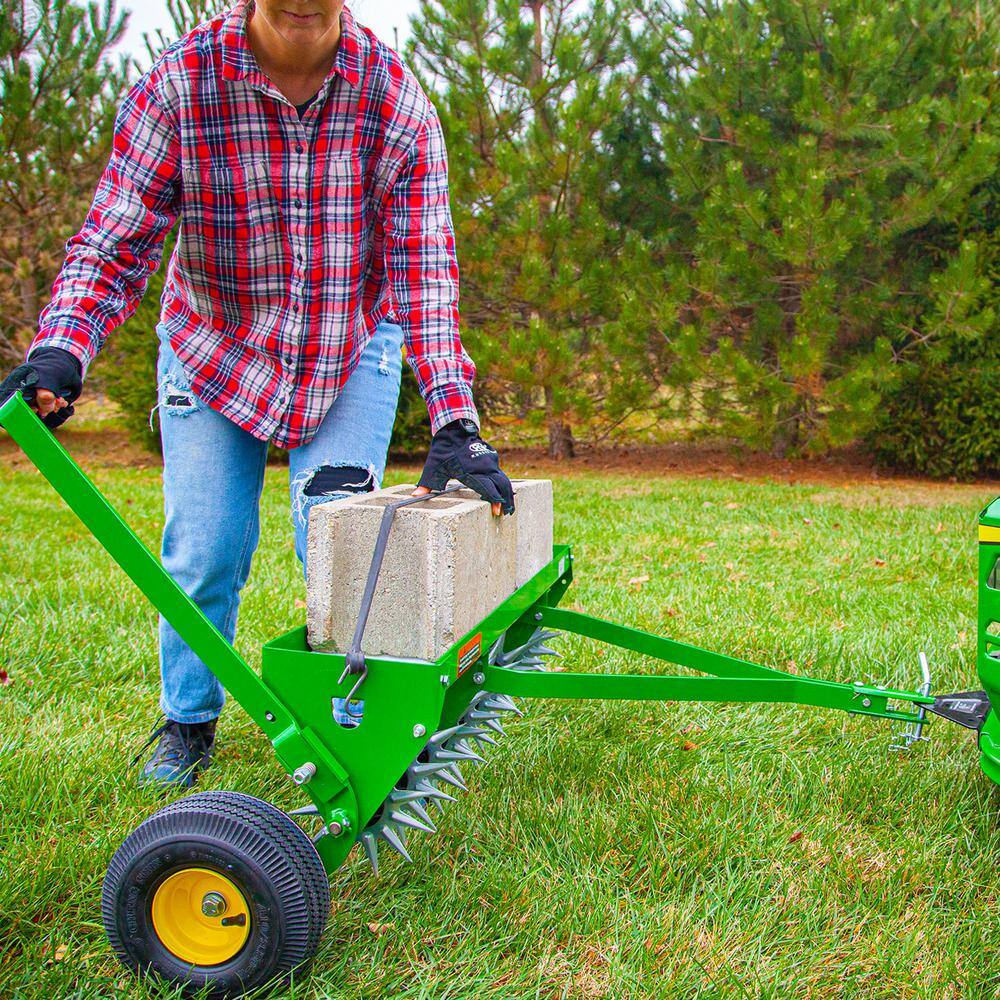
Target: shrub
940	417
940	420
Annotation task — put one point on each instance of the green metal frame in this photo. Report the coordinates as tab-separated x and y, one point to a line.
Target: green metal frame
347	772
988	644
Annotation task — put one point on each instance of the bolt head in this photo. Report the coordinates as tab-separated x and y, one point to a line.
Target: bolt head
445	680
213	904
866	702
419	730
305	773
479	677
339	824
538	616
269	716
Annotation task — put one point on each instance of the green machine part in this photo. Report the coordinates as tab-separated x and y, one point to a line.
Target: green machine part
988	644
348	772
344	772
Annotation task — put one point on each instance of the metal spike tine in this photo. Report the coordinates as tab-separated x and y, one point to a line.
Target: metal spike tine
405	796
513	654
545	651
478	715
393	839
443	734
544	634
463	746
511	658
371	849
504	701
483	737
495	726
448	777
421	813
496	651
407	820
453	755
505	706
433	768
309	810
474	731
433	793
439	798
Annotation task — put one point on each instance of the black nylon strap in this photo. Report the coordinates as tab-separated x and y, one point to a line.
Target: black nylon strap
355	658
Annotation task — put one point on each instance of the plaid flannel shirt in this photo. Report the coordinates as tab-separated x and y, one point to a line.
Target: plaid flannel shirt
297	238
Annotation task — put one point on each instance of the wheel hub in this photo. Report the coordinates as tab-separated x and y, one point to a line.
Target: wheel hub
200	917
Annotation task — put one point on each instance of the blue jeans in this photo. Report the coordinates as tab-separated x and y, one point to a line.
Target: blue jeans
213	473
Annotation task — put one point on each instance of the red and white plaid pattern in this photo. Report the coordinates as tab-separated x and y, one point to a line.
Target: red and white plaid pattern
297	237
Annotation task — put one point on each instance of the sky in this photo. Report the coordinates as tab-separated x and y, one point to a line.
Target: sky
379	15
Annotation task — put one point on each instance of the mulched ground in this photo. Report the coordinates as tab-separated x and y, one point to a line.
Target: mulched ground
108	446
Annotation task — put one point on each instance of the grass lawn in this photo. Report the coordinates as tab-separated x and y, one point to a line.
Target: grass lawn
617	850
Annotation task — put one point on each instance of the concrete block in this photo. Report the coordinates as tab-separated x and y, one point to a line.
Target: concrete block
448	564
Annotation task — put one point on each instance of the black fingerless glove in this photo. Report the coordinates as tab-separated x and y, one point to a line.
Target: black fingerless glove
458	452
54	369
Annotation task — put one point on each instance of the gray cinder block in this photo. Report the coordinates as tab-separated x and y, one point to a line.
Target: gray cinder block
449	563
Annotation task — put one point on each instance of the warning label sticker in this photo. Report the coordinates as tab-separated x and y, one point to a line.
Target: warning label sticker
469	653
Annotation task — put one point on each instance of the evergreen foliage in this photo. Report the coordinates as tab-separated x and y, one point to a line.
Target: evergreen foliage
551	288
940	417
59	91
807	141
773	219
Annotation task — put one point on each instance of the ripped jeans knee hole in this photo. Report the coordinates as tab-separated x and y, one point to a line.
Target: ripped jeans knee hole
330	482
173	398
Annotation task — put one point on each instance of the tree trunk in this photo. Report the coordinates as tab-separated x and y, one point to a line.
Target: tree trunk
561	443
787	435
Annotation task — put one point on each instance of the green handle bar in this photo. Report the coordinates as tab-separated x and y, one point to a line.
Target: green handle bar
142	567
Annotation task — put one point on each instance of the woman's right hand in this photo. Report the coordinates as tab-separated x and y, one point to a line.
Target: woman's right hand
57	384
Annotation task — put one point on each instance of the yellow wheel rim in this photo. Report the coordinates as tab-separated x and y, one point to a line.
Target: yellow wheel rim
200	917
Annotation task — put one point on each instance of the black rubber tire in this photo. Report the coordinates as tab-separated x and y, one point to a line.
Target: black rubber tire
271	860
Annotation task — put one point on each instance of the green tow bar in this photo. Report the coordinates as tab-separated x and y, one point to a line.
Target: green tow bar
733	680
349	772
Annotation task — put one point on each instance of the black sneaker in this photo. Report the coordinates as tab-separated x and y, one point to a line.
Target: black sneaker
183	750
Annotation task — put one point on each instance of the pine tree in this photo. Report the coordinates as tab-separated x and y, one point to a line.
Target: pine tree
59	88
551	302
808	142
184	16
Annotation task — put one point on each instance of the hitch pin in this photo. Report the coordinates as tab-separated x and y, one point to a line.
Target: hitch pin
912	732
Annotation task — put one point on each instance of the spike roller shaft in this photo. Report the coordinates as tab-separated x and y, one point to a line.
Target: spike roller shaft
406	806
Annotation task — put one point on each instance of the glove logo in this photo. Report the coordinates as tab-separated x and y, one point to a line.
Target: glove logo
480	448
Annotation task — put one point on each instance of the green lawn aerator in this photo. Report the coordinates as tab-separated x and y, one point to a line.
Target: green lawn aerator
222	890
